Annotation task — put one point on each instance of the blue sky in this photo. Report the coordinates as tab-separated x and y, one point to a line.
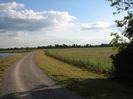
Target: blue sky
44	22
84	10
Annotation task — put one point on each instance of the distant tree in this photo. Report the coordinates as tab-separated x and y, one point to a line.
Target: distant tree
74	45
49	46
27	49
64	45
87	45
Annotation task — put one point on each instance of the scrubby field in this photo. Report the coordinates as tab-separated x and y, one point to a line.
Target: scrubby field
96	59
87	84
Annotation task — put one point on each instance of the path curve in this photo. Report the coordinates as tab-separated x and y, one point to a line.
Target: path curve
24	80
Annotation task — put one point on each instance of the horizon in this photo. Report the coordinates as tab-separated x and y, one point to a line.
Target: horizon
41	23
59	46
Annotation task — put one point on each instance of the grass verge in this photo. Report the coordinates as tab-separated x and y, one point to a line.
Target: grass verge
14	51
87	84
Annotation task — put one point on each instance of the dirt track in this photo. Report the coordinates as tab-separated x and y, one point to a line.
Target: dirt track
24	80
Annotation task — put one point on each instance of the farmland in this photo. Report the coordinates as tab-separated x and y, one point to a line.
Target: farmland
95	59
85	83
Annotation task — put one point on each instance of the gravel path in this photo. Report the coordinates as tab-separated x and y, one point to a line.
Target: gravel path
24	80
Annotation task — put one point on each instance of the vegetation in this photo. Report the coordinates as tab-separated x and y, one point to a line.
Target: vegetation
83	82
95	59
16	50
12	51
72	46
27	49
123	62
123	65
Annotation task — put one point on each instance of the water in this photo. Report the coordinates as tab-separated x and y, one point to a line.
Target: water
6	54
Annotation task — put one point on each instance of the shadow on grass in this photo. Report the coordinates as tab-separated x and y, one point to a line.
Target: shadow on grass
99	89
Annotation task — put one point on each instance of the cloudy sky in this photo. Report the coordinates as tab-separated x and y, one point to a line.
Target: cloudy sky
43	22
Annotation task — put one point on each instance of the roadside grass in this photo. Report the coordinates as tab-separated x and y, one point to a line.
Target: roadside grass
87	84
5	62
95	59
14	51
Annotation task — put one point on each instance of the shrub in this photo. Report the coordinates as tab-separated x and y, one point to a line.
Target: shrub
123	64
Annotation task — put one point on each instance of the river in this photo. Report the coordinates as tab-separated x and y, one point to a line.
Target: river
6	54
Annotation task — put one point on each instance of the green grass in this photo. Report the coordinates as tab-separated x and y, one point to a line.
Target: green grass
5	62
87	84
96	59
12	51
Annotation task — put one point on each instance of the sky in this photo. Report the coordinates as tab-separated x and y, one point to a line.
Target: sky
43	22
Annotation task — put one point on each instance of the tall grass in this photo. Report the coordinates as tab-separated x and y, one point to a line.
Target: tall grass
94	59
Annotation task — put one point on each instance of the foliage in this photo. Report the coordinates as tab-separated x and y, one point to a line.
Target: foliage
118	42
123	65
127	21
122	5
72	46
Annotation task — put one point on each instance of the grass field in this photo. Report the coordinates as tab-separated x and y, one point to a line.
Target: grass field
5	62
96	59
87	84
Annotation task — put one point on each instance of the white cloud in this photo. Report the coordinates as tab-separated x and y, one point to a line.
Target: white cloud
24	27
18	35
13	20
97	26
10	6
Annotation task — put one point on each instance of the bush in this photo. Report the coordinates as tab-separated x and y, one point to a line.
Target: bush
123	64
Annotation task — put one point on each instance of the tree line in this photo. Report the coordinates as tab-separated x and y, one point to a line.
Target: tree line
58	46
73	46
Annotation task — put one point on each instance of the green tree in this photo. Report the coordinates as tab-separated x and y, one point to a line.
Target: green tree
123	64
127	21
118	42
